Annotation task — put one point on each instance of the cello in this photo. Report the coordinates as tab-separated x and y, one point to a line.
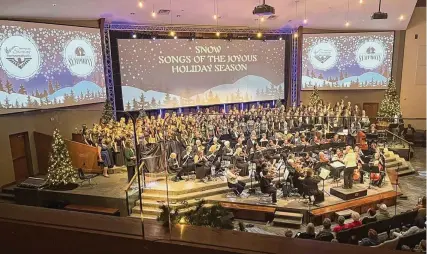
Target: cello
361	140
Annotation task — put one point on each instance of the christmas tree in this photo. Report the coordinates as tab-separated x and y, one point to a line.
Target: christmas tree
390	105
107	114
314	97
60	170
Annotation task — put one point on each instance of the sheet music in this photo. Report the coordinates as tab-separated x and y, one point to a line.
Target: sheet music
337	164
324	173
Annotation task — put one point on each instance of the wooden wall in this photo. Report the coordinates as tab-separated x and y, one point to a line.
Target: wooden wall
81	154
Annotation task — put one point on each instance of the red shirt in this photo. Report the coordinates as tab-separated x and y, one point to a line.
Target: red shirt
338	228
353	224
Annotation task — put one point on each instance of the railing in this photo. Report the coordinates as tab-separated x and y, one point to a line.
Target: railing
131	190
403	140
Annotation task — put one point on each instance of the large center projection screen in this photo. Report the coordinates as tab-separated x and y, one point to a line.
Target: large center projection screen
47	66
177	73
347	60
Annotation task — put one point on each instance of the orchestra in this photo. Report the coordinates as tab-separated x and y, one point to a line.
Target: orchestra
304	138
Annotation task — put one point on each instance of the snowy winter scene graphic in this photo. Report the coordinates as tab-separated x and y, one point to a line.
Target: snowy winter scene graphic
180	73
347	61
47	66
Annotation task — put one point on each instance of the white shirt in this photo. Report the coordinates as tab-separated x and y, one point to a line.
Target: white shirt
350	160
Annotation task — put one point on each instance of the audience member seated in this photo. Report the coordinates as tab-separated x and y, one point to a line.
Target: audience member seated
409	133
308	234
371	216
421	207
421	247
419	225
289	233
371	240
382	213
341	225
326	233
356	221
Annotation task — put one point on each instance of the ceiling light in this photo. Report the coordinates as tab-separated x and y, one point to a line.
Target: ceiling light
134	36
140	4
175	37
154	38
153	14
347	24
295	35
217	34
215	16
259	35
262	19
305	21
401	17
172	33
53	5
249	38
360	1
280	38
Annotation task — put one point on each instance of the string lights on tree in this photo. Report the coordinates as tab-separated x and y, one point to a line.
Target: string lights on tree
107	114
60	170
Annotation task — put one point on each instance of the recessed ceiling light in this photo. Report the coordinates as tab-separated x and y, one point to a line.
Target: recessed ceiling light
305	21
217	34
153	14
347	24
140	4
401	17
360	1
259	35
132	13
53	5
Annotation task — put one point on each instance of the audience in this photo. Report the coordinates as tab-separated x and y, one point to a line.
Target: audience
326	233
371	216
419	225
309	232
356	221
341	225
382	213
421	247
371	240
421	207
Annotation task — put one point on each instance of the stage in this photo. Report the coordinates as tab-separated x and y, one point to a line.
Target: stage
110	193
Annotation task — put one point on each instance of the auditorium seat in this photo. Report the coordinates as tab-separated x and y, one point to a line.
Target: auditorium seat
411	240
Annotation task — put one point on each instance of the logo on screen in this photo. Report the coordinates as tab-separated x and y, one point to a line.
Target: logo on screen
79	57
370	55
323	56
20	57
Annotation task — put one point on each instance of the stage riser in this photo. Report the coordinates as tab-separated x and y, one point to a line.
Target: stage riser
348	196
190	189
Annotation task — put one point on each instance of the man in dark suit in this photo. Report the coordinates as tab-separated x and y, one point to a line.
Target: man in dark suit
251	143
130	159
311	187
267	186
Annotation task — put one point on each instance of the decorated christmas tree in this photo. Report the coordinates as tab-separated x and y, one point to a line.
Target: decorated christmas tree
314	97
390	105
60	170
107	114
278	103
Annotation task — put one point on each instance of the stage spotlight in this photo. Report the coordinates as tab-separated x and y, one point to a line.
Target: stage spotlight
140	4
280	38
154	38
215	16
175	37
134	35
295	35
305	21
259	35
347	24
217	34
249	38
172	33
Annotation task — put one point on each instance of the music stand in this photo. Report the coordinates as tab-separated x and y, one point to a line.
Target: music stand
285	176
337	165
324	173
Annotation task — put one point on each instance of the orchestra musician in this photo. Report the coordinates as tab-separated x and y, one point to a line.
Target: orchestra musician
266	183
173	165
202	166
232	175
312	188
240	161
187	163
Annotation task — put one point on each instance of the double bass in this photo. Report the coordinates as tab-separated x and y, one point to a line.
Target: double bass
361	140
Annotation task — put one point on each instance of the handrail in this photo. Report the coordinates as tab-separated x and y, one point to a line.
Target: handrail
133	178
402	139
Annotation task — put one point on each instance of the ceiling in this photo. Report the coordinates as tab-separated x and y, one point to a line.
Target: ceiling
322	14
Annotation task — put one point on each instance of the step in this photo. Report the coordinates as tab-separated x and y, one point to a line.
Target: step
137	215
288	215
156	211
6	196
287	223
399	168
393	163
390	159
154	203
406	172
9	189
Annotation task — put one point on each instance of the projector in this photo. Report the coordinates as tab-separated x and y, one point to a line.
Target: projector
379	15
264	10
